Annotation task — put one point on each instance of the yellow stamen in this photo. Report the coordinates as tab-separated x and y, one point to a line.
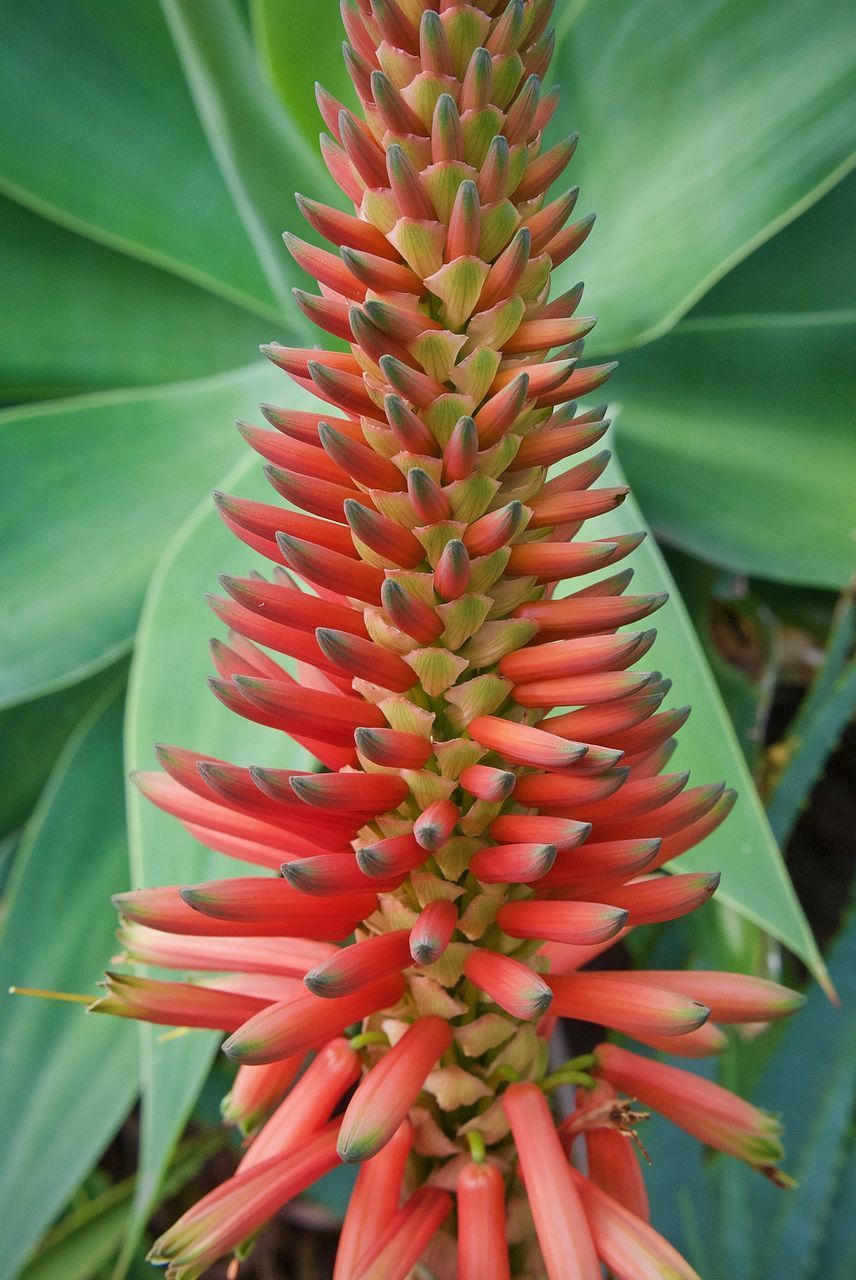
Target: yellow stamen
71	997
175	1033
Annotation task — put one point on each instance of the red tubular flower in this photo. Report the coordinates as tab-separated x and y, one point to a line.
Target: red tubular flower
433	931
309	1104
300	1023
560	1223
482	1248
385	1096
352	967
182	1004
710	1113
583	923
374	1201
256	1090
731	997
631	1249
238	1207
406	1237
606	1127
492	797
509	983
634	1008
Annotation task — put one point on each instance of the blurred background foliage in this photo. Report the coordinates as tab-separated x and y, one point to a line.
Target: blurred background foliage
147	168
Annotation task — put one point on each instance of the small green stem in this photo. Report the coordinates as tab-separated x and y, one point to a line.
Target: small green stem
503	1075
549	1083
366	1038
574	1071
477	1147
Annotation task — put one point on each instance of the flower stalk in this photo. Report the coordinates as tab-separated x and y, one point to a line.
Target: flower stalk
492	804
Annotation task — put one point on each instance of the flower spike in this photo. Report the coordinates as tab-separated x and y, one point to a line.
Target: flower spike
483	805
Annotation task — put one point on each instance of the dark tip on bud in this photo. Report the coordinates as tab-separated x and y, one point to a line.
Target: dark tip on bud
505	783
318	984
297	876
286	543
542	1003
392	590
193	897
370	862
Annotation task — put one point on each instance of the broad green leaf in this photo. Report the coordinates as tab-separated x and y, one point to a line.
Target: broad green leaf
79	317
737	636
68	1079
704	128
298	47
811	1081
169	702
92	489
90	1235
100	135
80	1248
32	734
262	154
809	267
754	879
836	1258
737	434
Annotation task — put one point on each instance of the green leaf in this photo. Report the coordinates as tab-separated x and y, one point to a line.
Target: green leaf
704	128
80	317
169	702
810	749
737	636
88	1237
812	1081
81	1246
754	879
262	154
91	490
297	47
839	647
100	135
808	267
68	1080
836	1257
32	734
737	435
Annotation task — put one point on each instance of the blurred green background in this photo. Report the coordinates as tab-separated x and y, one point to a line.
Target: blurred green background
148	161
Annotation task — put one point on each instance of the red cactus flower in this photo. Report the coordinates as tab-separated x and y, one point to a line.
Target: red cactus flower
493	803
